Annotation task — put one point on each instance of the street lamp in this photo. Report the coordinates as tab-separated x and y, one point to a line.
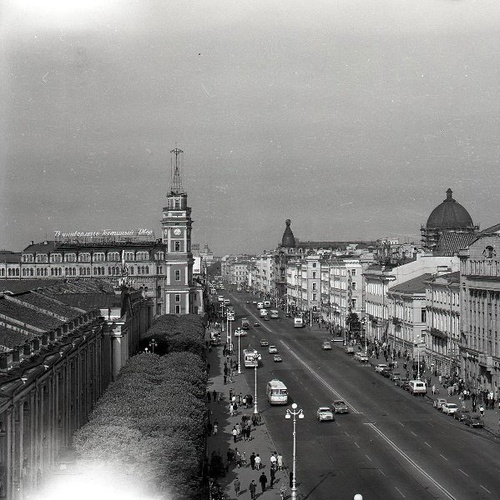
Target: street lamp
256	358
152	345
239	351
293	413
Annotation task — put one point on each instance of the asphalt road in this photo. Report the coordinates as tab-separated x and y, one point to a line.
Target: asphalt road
391	445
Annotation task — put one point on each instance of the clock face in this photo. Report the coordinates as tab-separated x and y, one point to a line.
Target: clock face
177	231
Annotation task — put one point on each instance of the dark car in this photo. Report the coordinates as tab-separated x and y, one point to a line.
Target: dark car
473	420
461	414
386	372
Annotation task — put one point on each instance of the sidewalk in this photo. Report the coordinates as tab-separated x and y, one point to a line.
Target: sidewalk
219	444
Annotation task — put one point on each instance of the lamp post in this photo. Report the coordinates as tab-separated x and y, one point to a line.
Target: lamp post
256	358
293	414
152	345
239	352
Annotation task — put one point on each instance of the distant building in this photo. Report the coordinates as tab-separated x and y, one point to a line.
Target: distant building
449	228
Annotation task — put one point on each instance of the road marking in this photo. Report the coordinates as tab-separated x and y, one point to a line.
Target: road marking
485	489
413	433
401	424
391	443
357	445
399	491
368	458
427	444
464	473
443	457
381	472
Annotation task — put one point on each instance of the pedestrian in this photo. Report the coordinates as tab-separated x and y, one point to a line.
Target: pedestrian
216	427
234	432
272	473
237	486
273	460
481	410
252	460
225	379
263	481
258	462
214	395
252	489
279	461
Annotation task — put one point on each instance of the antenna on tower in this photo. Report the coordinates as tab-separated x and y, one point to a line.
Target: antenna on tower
175	168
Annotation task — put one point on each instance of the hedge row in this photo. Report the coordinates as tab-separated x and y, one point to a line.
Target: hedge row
150	422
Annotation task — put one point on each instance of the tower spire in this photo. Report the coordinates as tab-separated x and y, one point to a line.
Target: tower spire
175	169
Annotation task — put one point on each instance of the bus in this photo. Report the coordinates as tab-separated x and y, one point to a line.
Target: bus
277	393
251	358
274	314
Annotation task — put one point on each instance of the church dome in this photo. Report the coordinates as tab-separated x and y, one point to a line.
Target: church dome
288	239
449	215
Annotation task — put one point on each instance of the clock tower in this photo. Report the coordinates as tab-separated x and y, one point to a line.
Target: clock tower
179	289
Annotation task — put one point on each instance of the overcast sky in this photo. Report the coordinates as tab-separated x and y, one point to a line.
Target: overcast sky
351	118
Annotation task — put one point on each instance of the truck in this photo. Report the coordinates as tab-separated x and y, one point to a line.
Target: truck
245	324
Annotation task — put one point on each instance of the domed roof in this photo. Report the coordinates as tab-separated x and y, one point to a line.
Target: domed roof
449	215
288	239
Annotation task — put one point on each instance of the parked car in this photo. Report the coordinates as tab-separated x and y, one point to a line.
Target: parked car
380	367
349	349
449	408
438	403
417	387
324	413
264	343
272	349
339	406
460	414
386	372
395	376
277	358
239	332
362	357
473	420
404	383
327	345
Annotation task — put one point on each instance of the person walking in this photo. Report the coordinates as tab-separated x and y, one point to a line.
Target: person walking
237	486
252	460
216	427
263	481
279	461
252	488
272	474
258	462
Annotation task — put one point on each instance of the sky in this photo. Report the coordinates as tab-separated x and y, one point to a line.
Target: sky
351	118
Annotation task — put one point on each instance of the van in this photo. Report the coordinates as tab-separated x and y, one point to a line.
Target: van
260	305
263	313
417	387
267	303
298	322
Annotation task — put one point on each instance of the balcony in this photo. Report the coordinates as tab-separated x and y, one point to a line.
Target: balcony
438	333
486	362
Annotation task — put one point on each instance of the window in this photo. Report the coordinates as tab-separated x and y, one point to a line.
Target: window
70	257
177	297
423	316
114	256
353	272
177	275
84	257
99	257
177	309
353	285
56	257
177	246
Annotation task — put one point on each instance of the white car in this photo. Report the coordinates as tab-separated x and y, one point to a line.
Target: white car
272	349
240	332
361	356
449	408
324	413
380	367
327	345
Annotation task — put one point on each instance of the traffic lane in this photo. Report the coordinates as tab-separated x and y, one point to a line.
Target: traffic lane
346	458
446	474
455	455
